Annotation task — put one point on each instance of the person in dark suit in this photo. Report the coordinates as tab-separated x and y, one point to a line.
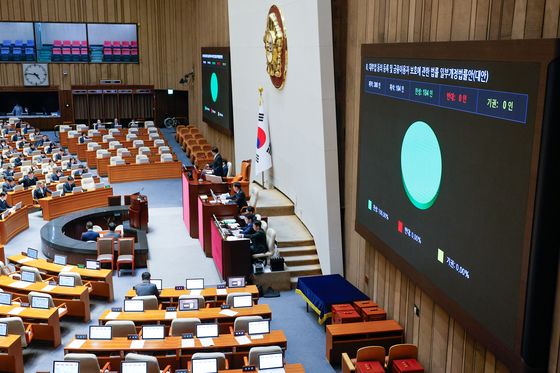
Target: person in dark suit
146	287
82	139
248	229
225	166
40	191
9	172
3	203
8	185
58	156
217	164
90	234
112	233
55	176
17	161
29	180
258	239
69	185
239	195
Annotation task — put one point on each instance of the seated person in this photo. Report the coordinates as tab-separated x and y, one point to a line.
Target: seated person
29	180
239	196
42	140
258	239
40	191
3	203
17	162
249	220
9	172
8	185
69	185
216	166
55	176
146	287
26	128
112	233
82	139
58	156
90	234
49	149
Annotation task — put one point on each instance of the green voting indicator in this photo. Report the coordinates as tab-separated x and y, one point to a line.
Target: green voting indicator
214	86
421	165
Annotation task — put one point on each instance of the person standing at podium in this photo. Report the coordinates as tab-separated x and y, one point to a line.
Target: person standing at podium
217	164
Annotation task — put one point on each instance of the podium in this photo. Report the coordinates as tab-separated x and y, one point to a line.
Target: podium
138	212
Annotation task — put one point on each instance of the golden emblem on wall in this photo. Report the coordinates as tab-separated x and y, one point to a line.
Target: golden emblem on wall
276	47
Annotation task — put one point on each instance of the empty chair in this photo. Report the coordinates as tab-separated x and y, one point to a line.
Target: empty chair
153	365
123	152
122	328
164	149
77	278
255	352
93	146
108	138
219	356
38	277
114	144
229	298
131	136
88	362
153	136
141	158
126	253
133	130
44	295
183	325
16	327
149	123
102	153
264	226
116	160
166	157
200	298
105	250
242	322
401	351
144	150
152	129
113	131
159	142
88	183
97	228
368	353
81	127
120	229
230	170
137	143
73	133
150	301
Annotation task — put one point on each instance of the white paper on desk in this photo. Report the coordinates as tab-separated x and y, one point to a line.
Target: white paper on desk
221	291
112	315
229	313
187	343
232	238
170	315
20	284
25	260
257	336
137	344
48	288
16	311
76	343
67	269
206	342
243	340
195	292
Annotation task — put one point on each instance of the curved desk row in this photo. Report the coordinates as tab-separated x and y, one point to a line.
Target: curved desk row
13	224
55	207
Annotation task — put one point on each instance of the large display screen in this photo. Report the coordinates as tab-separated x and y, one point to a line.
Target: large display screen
448	149
216	88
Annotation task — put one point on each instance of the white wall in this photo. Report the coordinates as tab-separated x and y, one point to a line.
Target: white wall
301	115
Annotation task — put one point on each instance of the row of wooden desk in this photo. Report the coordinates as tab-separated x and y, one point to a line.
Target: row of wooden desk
211	295
14	224
55	207
144	171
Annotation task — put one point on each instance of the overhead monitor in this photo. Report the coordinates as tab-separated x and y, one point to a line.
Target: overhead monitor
113	43
61	42
216	89
204	365
17	42
207	331
100	332
133	305
66	367
195	284
456	185
153	332
242	301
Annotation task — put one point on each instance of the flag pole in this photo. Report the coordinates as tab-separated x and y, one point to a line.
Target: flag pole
260	103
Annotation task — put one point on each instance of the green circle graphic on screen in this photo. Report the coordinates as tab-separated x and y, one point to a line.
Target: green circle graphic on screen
421	165
214	86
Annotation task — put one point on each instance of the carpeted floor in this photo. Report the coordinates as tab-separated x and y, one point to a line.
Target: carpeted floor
174	256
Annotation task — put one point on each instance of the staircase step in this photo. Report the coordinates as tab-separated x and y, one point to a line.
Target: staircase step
290	231
305	270
301	260
275	210
272	202
297	250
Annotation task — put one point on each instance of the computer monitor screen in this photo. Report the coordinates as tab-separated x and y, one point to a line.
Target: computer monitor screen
92	264
64	280
5	298
100	332
195	283
236	282
259	327
60	260
153	332
216	88
132	305
188	304
271	361
66	367
204	365
40	302
27	276
56	194
241	301
3	329
32	253
77	190
214	179
134	367
207	330
157	282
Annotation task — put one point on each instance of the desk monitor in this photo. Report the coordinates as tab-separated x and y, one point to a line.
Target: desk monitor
60	260
63	179
204	365
158	283
153	332
99	185
6	298
207	331
56	194
32	253
77	189
236	282
18	205
100	332
18	187
271	361
188	304
213	179
134	367
93	264
65	280
27	276
66	367
3	329
242	301
40	302
74	166
65	158
133	305
258	327
195	283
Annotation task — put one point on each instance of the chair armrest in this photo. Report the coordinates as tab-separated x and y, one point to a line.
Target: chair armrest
167	369
231	330
347	365
29	333
106	367
245	360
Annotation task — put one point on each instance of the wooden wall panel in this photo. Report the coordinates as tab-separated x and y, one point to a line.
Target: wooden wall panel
444	345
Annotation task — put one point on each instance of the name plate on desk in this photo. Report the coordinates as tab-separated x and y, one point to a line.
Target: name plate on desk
132	337
179	288
187	336
116	309
225	306
24	304
171	309
80	336
249	368
221	286
239	333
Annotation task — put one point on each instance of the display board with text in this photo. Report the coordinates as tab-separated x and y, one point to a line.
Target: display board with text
216	88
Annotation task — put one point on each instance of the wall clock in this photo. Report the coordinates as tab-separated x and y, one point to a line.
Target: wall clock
276	47
35	74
